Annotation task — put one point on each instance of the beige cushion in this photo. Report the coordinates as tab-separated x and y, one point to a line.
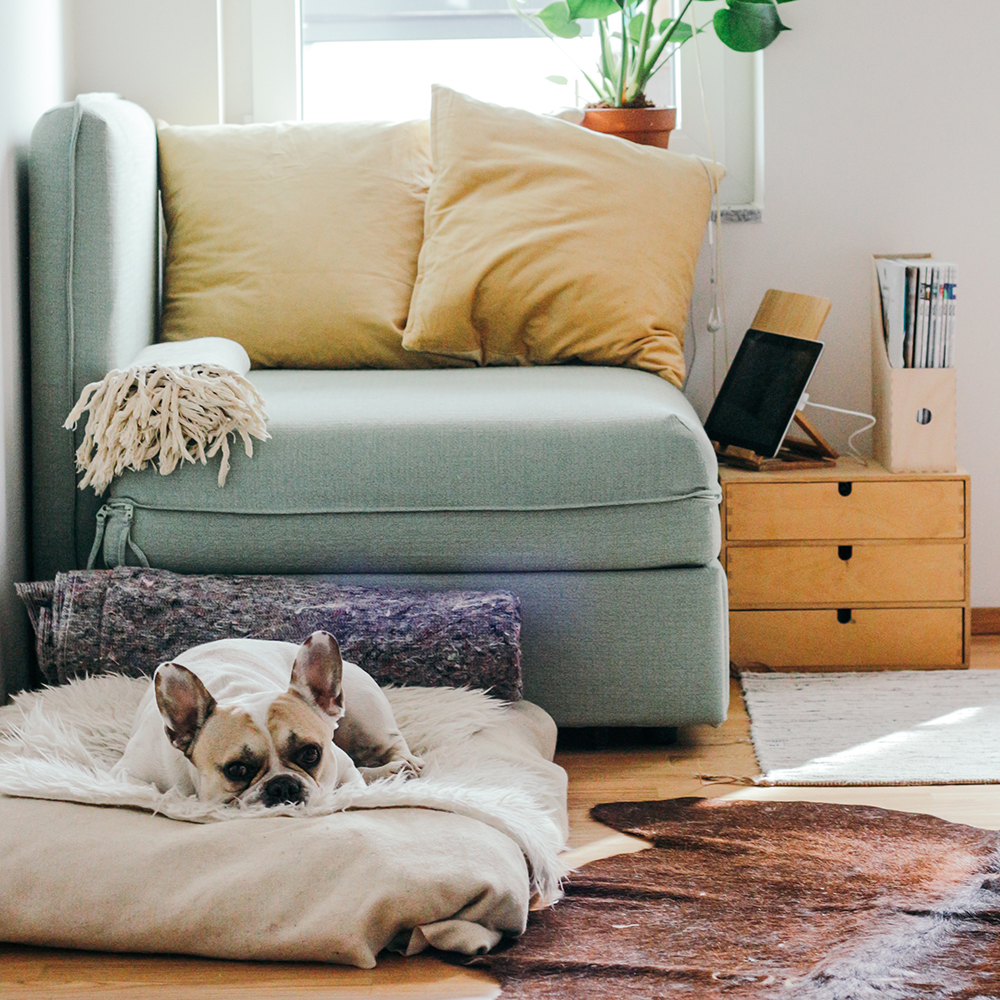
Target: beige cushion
545	242
299	241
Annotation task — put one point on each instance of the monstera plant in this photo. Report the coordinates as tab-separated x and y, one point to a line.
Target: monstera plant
636	43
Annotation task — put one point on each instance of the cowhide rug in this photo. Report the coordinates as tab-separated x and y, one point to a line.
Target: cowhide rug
791	900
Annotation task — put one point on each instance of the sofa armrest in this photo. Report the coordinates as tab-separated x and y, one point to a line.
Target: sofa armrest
93	272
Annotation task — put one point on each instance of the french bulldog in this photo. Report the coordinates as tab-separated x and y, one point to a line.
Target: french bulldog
247	721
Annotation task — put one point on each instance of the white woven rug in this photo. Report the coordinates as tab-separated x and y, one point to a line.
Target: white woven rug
897	727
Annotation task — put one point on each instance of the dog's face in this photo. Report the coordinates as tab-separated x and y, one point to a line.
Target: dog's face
267	749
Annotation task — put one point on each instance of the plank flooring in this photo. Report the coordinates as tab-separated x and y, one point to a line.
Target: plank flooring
705	761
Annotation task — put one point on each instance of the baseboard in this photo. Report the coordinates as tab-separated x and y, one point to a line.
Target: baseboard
986	621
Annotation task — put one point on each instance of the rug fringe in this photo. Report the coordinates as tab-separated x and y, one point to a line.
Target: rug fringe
726	779
167	415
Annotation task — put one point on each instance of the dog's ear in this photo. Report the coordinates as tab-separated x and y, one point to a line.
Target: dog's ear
318	672
184	703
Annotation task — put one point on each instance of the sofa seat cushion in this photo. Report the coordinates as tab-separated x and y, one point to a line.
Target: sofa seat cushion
452	470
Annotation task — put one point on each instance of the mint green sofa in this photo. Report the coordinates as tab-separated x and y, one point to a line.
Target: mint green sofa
591	493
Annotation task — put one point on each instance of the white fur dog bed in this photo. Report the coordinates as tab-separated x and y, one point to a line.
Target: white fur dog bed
450	859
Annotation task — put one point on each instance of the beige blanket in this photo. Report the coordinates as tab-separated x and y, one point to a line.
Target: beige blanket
334	888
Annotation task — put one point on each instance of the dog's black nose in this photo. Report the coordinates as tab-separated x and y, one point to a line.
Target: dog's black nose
283	788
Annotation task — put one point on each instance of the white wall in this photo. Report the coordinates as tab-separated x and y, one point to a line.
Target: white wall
882	134
161	54
165	55
31	80
881	125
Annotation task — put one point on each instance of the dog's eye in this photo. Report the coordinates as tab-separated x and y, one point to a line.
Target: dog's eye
309	756
236	770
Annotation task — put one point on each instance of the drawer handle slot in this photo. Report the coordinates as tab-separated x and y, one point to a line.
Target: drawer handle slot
844	616
845	551
844	489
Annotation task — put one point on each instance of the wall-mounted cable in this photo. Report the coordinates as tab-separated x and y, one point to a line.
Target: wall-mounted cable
717	312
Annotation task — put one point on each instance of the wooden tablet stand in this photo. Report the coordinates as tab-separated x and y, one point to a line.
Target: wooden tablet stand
792	315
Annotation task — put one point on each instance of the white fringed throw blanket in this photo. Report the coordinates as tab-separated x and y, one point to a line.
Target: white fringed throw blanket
175	403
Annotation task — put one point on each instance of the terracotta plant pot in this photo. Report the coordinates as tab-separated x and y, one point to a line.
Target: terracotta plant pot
648	126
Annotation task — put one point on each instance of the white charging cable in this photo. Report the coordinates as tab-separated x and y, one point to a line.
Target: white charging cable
806	401
689	366
714	321
716	316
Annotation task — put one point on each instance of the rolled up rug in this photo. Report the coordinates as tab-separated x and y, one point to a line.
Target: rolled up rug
129	619
176	402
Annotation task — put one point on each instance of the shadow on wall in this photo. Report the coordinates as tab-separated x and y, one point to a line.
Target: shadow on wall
15	668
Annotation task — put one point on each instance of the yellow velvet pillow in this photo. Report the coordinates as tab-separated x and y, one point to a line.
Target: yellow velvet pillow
546	242
299	241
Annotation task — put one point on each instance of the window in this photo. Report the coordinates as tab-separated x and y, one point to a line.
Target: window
378	60
365	59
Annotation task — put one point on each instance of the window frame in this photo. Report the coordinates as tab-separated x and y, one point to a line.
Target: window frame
269	50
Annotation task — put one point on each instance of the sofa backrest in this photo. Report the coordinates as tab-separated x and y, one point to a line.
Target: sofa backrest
93	225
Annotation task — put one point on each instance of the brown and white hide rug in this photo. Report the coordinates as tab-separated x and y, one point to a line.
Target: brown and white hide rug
790	900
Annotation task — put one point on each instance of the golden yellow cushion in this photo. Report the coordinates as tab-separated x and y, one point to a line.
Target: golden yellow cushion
546	242
299	241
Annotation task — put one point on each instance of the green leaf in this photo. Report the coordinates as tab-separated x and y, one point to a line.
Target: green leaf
600	89
635	27
556	18
609	60
593	8
557	79
681	33
748	25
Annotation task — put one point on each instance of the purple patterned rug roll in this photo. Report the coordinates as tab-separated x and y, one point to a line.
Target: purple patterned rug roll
128	620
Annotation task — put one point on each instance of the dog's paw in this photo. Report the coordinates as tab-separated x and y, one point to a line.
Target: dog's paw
409	766
413	764
371	774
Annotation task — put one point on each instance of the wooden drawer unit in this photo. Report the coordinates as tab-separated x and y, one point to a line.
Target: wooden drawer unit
848	509
847	568
768	576
852	637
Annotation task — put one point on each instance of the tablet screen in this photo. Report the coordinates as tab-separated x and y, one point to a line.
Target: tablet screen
762	388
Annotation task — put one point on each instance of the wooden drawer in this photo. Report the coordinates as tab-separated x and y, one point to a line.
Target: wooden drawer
776	576
871	638
845	510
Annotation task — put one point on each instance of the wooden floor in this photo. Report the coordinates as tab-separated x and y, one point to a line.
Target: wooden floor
608	776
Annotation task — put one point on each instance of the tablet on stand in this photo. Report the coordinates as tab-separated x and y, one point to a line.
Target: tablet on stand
760	398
